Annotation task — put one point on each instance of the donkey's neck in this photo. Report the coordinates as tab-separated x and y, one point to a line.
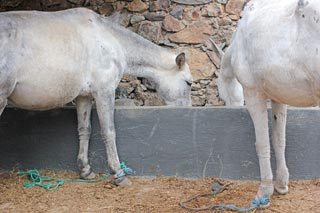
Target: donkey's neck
144	58
148	63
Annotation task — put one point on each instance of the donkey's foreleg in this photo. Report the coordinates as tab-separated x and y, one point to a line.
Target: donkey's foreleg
105	108
257	107
84	105
279	117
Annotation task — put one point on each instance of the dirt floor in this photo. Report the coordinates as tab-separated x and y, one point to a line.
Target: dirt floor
160	194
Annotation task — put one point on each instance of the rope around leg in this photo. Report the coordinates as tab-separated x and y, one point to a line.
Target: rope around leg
124	171
217	188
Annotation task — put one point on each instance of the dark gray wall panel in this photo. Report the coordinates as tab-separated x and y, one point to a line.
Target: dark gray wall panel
188	142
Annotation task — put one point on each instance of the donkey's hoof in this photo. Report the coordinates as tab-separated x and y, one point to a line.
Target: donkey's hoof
88	175
281	189
264	206
123	181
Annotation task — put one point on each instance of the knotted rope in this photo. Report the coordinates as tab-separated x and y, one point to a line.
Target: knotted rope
36	179
216	189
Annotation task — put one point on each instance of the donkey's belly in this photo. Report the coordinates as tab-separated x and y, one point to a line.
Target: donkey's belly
45	92
299	93
297	99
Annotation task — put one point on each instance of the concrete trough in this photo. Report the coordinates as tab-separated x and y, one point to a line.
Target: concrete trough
186	142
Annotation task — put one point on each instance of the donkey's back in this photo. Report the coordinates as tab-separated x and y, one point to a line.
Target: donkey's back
275	52
49	58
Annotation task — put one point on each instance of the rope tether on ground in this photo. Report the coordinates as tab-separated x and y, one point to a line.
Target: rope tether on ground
217	188
52	183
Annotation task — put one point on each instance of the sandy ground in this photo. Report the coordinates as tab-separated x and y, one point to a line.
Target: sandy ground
160	194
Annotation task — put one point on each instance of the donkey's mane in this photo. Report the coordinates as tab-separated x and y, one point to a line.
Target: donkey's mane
138	49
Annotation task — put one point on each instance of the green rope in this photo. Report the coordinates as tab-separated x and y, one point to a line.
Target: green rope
51	183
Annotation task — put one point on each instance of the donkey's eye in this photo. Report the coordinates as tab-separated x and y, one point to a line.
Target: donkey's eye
189	83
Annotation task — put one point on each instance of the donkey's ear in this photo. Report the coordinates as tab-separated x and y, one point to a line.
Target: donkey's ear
181	60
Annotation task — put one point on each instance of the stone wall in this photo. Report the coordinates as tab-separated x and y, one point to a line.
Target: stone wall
190	25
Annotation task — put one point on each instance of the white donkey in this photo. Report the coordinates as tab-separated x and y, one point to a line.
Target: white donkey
48	59
274	55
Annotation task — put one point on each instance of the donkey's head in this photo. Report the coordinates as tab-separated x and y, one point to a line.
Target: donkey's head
174	84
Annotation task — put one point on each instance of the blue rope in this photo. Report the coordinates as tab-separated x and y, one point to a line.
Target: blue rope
258	202
255	203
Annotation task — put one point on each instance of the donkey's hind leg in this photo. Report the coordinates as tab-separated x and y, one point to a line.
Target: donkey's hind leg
84	106
279	112
3	104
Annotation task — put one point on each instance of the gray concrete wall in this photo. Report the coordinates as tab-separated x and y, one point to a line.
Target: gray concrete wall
188	142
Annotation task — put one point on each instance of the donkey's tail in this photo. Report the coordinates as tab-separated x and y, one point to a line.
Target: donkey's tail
230	90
